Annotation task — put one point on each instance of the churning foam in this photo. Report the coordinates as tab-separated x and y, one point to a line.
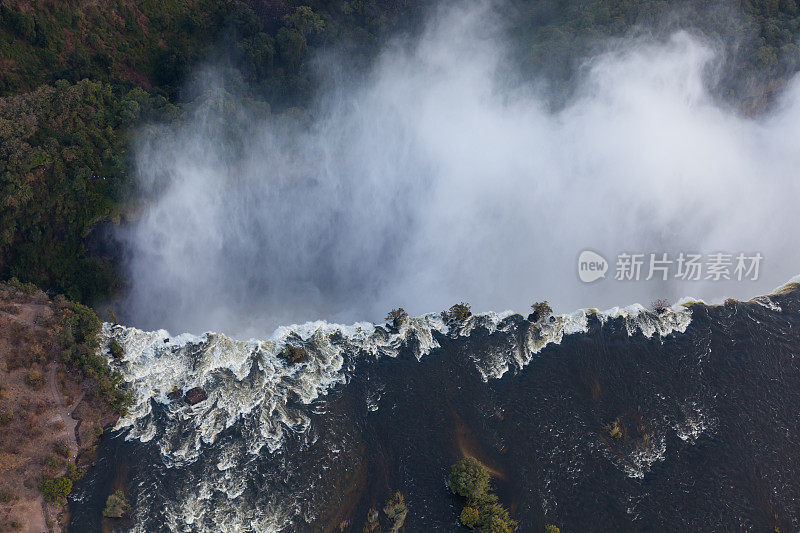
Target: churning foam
249	383
249	379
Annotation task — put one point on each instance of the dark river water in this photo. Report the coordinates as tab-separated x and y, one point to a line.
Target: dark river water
706	399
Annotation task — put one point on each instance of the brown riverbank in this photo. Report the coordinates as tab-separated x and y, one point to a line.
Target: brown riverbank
50	416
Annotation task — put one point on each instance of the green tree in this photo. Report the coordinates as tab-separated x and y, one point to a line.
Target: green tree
470	517
541	311
469	479
116	505
397	317
457	313
54	489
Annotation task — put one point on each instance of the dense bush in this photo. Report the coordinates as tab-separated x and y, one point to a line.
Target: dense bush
61	449
16	286
79	344
470	517
397	317
63	167
758	36
77	77
293	354
74	472
121	42
57	488
116	505
34	379
494	518
117	352
470	480
52	461
457	313
541	311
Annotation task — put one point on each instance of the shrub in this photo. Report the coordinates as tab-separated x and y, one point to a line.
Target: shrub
396	511
457	313
79	342
117	352
75	473
116	505
470	517
397	317
550	528
61	449
660	306
51	460
6	496
32	427
293	354
34	379
17	332
469	479
56	488
372	520
36	353
29	289
541	311
614	430
495	519
83	323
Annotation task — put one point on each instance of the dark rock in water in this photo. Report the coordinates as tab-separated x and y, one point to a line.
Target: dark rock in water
175	394
196	395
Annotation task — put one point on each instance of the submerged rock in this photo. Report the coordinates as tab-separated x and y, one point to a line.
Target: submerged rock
196	395
175	393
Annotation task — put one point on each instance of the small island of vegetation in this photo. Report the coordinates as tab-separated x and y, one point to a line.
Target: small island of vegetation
457	314
482	512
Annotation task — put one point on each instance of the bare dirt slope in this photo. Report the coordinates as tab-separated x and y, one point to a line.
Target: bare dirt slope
40	436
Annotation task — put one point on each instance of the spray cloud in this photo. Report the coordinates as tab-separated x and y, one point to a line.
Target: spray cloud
433	179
